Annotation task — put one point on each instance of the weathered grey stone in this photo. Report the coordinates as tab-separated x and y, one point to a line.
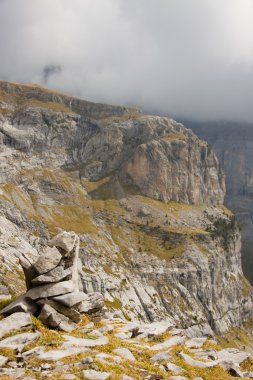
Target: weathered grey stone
96	333
50	290
71	299
71	313
14	322
33	352
178	378
91	374
148	330
171	342
105	329
28	269
3	360
174	368
64	240
161	357
248	375
68	376
93	302
48	260
103	357
125	353
21	304
81	342
51	318
197	363
13	373
195	342
232	354
123	336
55	355
233	369
206	354
55	275
19	341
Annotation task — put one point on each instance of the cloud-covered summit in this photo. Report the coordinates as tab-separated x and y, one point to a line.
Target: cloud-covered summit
187	58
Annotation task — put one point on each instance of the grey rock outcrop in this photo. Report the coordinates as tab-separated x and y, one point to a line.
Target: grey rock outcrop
52	311
155	155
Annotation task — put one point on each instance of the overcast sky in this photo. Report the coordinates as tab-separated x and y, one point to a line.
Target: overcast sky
186	58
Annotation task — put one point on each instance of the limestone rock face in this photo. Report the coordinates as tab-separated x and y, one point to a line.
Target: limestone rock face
143	196
155	155
233	145
178	169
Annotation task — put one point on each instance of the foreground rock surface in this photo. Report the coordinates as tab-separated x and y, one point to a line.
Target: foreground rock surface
82	355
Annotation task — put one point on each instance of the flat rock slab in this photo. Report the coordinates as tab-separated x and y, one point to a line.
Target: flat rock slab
56	355
233	355
125	353
174	368
48	260
19	341
104	358
154	329
3	360
94	301
161	357
198	363
55	275
70	299
14	322
95	375
195	342
81	342
171	342
50	290
64	240
71	313
21	304
13	373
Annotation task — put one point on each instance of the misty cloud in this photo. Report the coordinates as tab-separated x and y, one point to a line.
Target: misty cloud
187	58
50	70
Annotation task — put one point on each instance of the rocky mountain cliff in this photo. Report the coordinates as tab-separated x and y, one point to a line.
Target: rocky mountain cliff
144	195
233	144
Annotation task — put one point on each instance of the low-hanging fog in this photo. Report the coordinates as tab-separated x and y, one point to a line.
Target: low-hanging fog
186	58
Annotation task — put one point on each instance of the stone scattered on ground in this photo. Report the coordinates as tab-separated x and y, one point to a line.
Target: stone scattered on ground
19	341
95	375
97	351
124	353
14	322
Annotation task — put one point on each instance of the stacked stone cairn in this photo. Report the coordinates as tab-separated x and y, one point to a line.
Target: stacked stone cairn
52	283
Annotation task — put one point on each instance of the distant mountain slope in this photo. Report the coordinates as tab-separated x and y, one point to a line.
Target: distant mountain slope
233	144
